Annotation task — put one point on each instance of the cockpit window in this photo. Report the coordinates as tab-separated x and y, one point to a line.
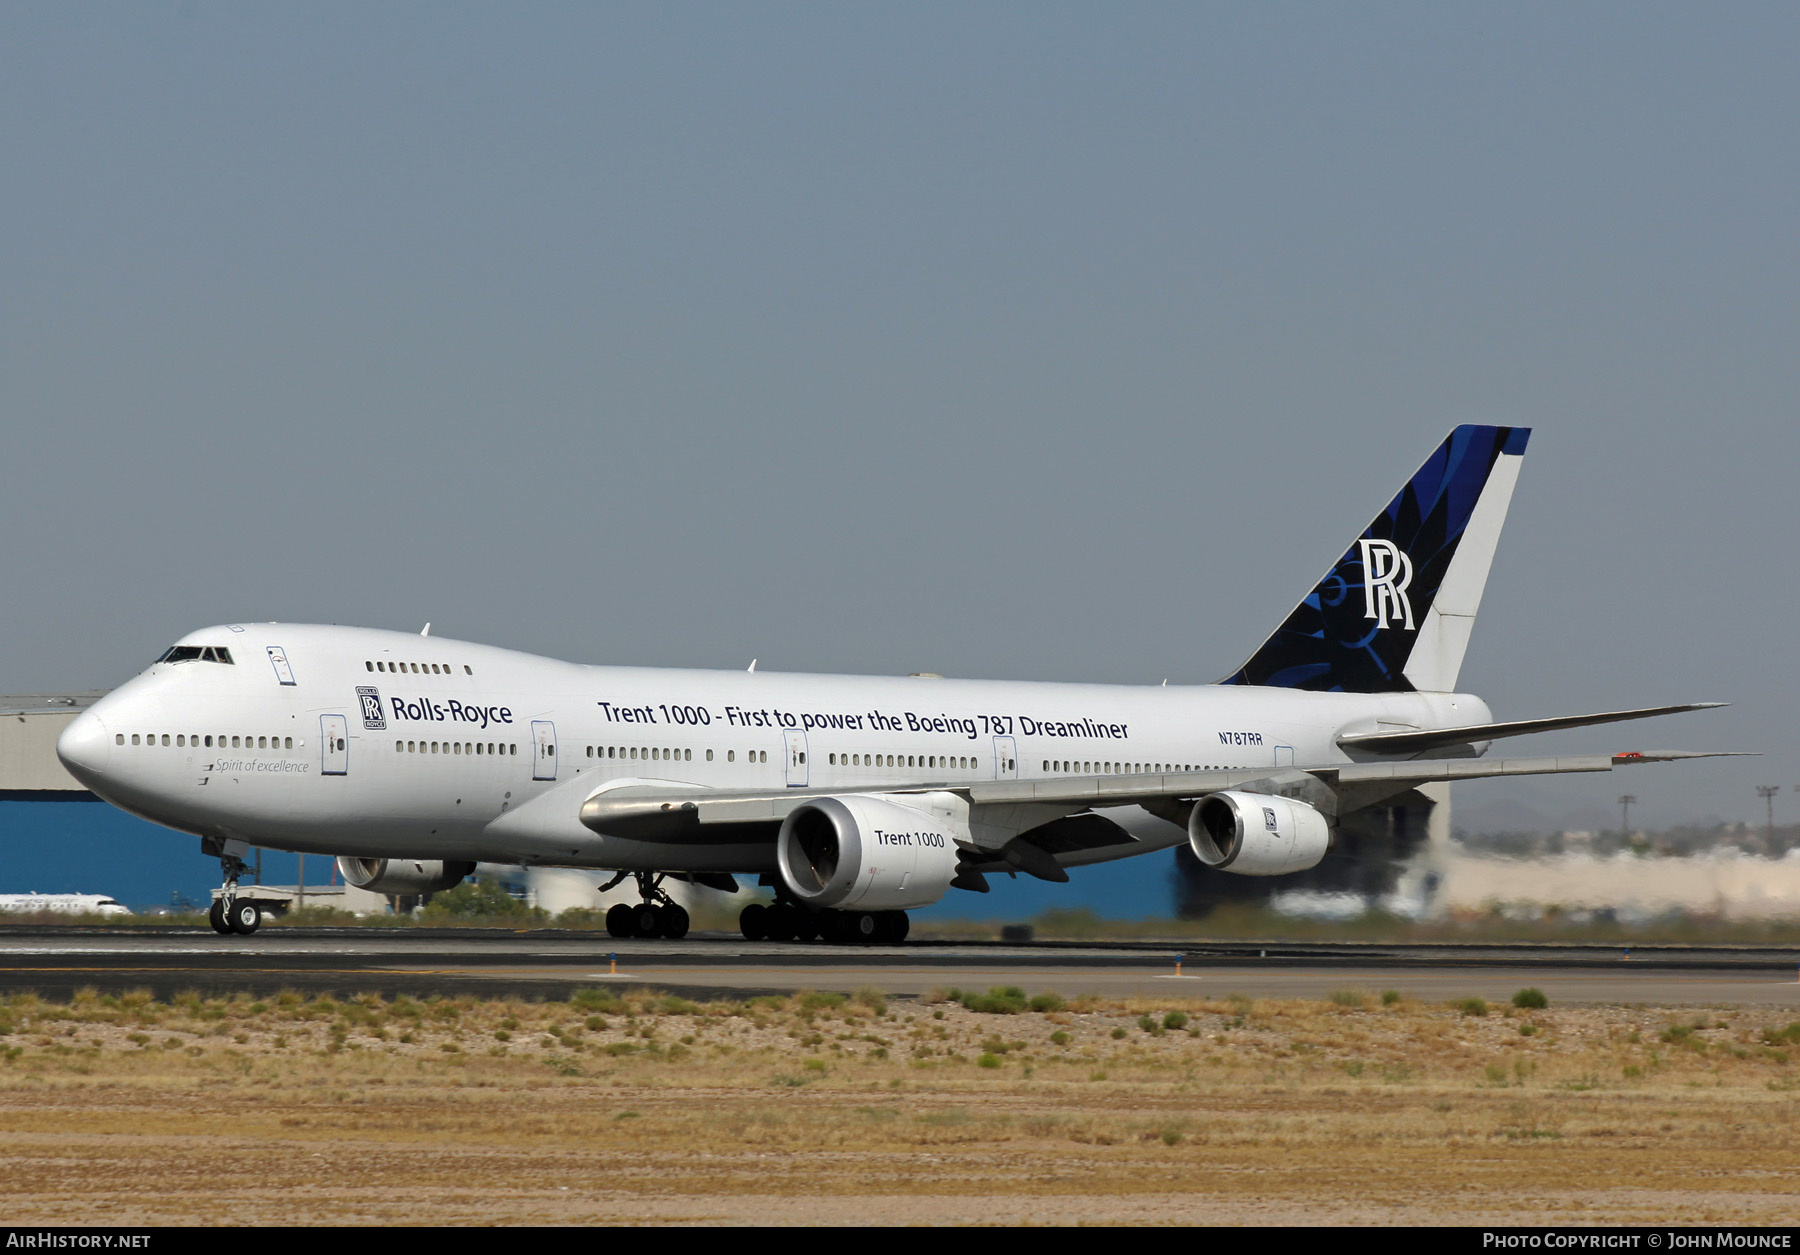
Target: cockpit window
193	653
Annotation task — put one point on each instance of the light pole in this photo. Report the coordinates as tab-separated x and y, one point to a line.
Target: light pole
1767	793
1626	801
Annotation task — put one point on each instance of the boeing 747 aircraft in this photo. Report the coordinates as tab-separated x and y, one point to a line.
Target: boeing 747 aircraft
411	758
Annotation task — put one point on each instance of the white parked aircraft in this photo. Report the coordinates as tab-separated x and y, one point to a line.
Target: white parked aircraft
412	758
61	904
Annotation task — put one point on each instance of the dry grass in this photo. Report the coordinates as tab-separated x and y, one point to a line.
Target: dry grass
817	1108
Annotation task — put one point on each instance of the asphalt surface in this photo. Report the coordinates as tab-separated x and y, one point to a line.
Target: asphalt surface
56	961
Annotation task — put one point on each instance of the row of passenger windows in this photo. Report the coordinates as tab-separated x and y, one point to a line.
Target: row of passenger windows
416	668
184	739
455	747
1121	769
634	751
669	755
944	761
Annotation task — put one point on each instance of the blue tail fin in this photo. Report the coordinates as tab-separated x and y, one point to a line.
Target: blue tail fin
1395	612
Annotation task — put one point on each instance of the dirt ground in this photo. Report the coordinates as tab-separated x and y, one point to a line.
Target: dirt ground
819	1110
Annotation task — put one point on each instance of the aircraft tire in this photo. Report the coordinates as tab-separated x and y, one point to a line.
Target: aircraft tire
806	926
894	927
753	922
216	917
781	923
246	918
675	922
646	920
618	921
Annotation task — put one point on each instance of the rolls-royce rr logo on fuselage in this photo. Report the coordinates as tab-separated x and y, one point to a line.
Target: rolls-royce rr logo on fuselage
370	698
1386	573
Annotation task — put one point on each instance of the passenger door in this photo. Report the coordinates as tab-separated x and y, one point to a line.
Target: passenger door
334	736
1006	758
279	660
795	743
543	750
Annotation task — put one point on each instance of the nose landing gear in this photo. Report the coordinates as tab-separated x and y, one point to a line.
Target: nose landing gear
228	914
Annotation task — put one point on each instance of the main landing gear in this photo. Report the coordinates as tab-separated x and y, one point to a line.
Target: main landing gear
658	915
783	921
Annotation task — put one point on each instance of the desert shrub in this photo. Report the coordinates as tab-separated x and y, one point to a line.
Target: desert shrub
1530	999
1472	1006
603	1001
1175	1020
316	917
1047	1002
821	1001
1348	998
1389	997
999	1000
479	900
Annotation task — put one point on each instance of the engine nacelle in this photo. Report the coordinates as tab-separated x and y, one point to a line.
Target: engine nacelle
403	876
865	853
1256	835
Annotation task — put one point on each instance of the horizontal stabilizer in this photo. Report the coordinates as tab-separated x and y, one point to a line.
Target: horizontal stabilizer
1417	741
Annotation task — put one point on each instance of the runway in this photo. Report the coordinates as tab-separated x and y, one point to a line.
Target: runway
55	962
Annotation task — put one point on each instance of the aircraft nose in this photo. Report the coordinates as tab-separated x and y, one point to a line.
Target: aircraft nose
84	746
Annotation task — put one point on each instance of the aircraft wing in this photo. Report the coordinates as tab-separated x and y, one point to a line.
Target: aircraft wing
1418	740
672	813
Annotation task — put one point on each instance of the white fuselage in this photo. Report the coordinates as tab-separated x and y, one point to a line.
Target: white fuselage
61	904
354	741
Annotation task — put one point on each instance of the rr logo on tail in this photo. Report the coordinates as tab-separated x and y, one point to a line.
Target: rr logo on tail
1386	573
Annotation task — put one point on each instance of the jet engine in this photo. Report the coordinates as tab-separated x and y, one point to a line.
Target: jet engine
403	876
865	853
1252	834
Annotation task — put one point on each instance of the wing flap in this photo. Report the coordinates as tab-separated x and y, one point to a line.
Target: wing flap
1415	741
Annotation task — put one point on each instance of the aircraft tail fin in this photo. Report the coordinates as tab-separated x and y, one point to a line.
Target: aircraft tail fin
1395	612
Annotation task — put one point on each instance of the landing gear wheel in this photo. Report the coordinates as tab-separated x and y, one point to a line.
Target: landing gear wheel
894	927
806	926
245	917
646	920
675	922
831	928
865	927
753	922
216	917
618	921
781	923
